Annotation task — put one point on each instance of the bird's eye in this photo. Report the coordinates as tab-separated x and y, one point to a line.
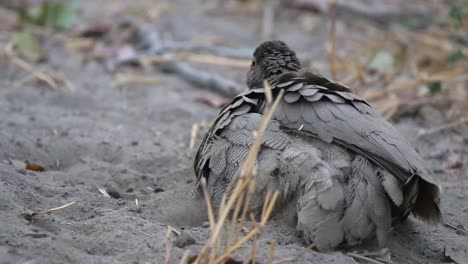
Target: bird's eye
253	64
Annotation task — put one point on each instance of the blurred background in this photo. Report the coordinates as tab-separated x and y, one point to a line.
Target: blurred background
110	98
410	53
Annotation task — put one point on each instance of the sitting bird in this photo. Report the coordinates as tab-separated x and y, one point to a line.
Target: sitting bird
346	172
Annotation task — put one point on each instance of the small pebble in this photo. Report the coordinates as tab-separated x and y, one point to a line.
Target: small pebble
184	239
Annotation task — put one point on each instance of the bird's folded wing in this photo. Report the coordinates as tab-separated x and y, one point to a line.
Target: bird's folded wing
314	105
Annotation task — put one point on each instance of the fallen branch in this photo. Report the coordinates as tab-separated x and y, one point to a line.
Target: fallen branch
202	79
448	126
50	78
158	53
373	11
364	258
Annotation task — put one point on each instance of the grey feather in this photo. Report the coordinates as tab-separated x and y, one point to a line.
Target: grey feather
291	97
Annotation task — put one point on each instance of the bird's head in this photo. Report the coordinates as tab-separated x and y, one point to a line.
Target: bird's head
271	59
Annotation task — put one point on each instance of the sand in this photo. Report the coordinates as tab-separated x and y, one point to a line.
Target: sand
133	142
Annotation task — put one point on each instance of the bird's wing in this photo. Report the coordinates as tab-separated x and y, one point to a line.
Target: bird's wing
240	105
331	112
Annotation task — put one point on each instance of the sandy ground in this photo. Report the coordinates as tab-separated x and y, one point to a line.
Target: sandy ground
125	140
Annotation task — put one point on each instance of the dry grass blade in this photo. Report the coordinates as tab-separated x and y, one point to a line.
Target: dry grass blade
186	257
265	203
455	185
50	78
421	78
268	95
169	231
31	214
211	59
104	192
193	135
60	207
364	258
208	203
448	126
254	231
195	58
253	253
125	79
247	169
269	209
18	62
271	251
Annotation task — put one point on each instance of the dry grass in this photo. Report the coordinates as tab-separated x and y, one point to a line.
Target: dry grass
50	78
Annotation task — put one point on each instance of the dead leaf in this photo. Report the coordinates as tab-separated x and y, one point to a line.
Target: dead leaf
34	167
93	31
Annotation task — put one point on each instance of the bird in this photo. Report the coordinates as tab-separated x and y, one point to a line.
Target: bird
346	173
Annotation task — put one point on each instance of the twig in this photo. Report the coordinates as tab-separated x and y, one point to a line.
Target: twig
202	79
47	77
125	79
448	126
361	257
413	83
455	185
462	230
152	45
211	59
379	14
